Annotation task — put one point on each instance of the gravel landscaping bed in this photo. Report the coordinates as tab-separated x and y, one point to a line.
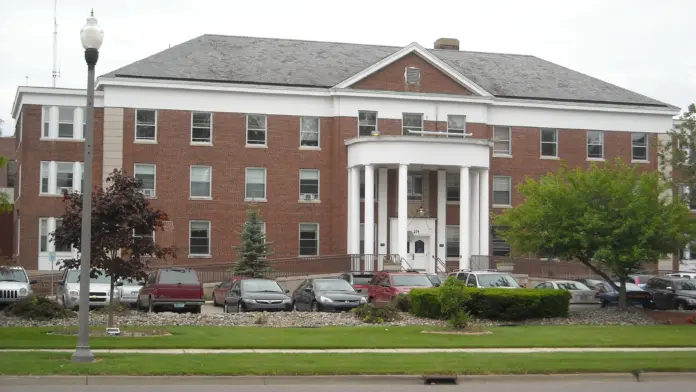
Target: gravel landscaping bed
610	316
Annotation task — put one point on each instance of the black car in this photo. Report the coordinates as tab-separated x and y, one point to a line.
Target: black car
672	293
249	295
317	295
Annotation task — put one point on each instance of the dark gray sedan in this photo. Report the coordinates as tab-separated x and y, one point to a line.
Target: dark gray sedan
249	295
317	295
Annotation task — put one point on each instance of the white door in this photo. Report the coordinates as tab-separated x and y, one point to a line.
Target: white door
417	252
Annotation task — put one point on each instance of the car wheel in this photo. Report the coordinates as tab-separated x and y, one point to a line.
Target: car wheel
214	301
196	309
371	301
315	307
240	308
150	305
225	308
294	308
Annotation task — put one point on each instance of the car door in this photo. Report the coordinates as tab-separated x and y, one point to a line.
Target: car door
220	292
146	290
233	296
658	288
385	290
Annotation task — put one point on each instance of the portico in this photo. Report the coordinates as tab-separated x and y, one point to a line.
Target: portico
413	232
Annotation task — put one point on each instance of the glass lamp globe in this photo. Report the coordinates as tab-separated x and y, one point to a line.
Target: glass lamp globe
92	35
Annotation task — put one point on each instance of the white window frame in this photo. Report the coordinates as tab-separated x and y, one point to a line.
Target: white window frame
403	127
409	186
634	146
19	181
587	146
265	184
542	142
299	239
314	198
458	132
135	130
210	188
45	173
501	153
51	225
686	196
152	194
455	229
45	122
376	124
509	191
144	236
265	131
72	122
210	237
43	221
318	120
209	142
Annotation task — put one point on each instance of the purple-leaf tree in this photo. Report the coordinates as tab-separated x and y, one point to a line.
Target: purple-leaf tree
123	224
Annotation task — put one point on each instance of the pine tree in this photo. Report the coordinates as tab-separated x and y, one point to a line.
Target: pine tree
254	250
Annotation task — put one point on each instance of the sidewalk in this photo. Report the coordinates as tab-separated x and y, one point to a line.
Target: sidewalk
373	351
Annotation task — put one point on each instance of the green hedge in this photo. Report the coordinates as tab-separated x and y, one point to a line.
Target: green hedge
495	304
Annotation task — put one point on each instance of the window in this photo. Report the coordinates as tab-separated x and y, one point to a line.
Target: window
367	123
256	129
46	114
146	125
412	122
66	118
199	238
362	240
45	175
501	141
145	172
452	241
309	132
255	183
201	127
200	181
688	197
453	187
500	247
143	235
11	173
502	191
64	176
67	248
309	184
456	125
549	142
639	144
309	239
415	187
43	235
595	144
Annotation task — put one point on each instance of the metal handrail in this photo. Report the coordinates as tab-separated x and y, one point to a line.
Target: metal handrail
403	261
441	264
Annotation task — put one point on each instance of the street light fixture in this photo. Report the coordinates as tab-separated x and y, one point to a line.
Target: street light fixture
92	37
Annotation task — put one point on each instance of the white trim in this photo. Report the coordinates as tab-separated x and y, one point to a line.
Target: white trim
135	127
299	238
422	126
318	146
466	123
210	239
53	177
19	181
52	96
318	194
587	145
647	148
376	121
154	167
210	183
265	131
425	55
509	179
507	154
265	184
542	142
200	143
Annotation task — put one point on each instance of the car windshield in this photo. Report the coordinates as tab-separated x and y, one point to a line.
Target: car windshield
12	275
362	280
686	286
496	280
332	285
176	276
434	279
74	277
572	286
411	280
260	285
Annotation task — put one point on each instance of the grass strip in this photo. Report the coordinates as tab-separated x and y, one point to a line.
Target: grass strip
331	364
365	337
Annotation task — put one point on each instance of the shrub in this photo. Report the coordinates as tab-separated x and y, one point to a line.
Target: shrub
453	296
459	320
402	302
513	304
426	303
369	313
38	308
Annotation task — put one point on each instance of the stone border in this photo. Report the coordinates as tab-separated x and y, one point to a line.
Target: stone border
465	333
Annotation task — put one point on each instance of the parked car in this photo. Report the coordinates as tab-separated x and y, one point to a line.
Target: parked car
359	280
685	275
220	291
386	285
581	294
172	288
635	295
323	295
640	280
129	291
486	279
99	290
591	283
435	279
249	295
14	285
672	293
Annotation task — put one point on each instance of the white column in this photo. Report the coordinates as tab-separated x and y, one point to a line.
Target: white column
52	177
350	213
382	218
52	122
78	123
484	220
402	221
464	222
355	207
369	219
475	208
77	176
441	216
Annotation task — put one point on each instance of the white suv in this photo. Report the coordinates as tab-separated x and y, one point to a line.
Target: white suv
486	279
14	284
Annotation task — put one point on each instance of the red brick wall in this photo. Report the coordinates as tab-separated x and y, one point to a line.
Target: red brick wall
7	228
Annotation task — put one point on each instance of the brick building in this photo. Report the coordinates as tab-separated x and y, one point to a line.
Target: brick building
313	132
8	180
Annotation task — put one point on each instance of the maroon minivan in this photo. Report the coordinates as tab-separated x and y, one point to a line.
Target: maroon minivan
177	289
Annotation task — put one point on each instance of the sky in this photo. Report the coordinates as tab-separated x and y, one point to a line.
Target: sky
645	46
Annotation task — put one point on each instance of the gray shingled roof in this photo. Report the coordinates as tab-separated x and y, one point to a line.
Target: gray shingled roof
325	64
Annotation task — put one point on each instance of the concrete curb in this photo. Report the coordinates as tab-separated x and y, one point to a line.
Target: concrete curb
335	380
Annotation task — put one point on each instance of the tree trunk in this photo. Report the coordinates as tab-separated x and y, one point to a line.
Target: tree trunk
599	272
623	305
110	323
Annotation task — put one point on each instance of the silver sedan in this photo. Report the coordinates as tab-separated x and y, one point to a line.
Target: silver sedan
581	294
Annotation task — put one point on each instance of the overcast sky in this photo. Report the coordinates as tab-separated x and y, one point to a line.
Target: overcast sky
644	45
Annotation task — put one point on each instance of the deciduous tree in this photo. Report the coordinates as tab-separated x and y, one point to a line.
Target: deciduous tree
254	249
5	202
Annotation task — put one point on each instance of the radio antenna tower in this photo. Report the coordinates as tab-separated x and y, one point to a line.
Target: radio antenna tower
56	72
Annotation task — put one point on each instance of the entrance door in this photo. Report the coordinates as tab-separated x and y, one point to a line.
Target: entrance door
418	254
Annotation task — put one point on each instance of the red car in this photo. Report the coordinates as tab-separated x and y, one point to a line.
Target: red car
173	289
387	285
220	291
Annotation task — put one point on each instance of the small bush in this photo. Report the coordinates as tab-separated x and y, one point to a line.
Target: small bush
459	320
453	296
426	303
38	308
371	314
517	304
402	302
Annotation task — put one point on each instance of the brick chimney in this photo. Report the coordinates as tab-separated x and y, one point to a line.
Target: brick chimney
447	43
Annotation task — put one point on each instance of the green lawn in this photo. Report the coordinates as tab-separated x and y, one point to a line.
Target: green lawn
369	337
313	364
